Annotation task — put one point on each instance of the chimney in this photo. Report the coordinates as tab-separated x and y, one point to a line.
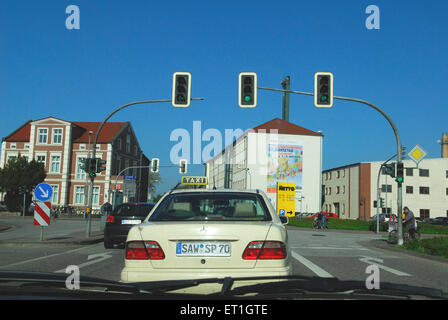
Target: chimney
444	145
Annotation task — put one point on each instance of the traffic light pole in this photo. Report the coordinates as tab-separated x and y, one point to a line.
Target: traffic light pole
399	149
89	217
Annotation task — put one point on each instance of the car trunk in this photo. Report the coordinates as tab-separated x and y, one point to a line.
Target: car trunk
182	243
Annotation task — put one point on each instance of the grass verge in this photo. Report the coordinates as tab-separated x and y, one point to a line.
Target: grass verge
437	246
346	224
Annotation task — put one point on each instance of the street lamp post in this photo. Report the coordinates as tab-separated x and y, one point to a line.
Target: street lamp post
89	222
397	138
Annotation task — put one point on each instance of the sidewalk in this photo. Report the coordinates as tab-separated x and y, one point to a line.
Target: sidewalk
74	238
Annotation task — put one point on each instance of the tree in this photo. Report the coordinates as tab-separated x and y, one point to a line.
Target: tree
18	177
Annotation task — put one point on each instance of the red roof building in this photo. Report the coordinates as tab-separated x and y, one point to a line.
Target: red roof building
61	145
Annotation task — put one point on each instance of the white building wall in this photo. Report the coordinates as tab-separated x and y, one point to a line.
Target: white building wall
437	199
251	152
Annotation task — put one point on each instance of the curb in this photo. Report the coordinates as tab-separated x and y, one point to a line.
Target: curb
53	243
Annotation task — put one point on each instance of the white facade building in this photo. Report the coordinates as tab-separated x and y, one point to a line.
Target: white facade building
350	191
276	151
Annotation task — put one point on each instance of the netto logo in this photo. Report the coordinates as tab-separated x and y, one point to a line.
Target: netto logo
281	188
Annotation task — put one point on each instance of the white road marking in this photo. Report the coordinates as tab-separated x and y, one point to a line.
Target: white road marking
307	263
40	258
102	256
376	261
332	248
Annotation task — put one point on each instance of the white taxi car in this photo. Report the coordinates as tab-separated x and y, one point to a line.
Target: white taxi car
196	234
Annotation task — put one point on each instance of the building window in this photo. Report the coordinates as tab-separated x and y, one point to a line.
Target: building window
424	213
136	150
424	190
409	189
119	144
57	136
80	173
79	195
337	189
12	146
409	172
343	189
128	144
386	188
40	158
447	191
55	164
446	173
55	196
338	174
424	172
42	135
96	195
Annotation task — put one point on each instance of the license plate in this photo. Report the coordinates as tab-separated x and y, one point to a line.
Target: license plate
203	249
131	221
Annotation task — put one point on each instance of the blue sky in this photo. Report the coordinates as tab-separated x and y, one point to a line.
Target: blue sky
127	50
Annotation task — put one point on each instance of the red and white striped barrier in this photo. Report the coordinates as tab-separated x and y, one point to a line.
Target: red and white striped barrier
42	213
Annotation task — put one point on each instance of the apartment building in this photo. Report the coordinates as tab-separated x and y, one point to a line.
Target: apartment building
60	145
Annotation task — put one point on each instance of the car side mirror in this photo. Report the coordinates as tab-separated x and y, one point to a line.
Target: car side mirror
284	219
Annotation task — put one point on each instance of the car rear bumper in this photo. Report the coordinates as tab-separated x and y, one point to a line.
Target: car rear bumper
132	274
117	233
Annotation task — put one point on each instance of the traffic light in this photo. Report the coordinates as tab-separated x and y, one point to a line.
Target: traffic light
181	95
389	169
183	166
92	168
84	164
247	89
381	202
323	89
400	175
155	165
100	165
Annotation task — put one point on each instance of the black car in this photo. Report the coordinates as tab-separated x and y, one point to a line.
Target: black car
122	219
443	221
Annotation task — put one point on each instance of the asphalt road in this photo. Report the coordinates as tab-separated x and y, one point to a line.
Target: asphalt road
339	254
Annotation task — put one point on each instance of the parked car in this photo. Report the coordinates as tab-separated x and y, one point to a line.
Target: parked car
3	207
384	217
443	221
122	219
328	215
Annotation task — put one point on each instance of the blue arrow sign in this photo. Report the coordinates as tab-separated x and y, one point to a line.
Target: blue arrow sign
43	192
129	177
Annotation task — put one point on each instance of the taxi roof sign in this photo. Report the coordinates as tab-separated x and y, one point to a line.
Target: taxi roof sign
196	181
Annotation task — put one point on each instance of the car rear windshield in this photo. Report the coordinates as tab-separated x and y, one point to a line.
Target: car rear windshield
136	210
212	206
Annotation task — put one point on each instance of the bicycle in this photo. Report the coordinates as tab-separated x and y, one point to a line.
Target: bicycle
393	235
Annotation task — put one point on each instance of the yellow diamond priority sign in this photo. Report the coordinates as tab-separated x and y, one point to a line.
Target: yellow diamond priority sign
417	154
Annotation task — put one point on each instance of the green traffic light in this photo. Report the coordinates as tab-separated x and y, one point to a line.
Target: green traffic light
323	98
92	174
247	98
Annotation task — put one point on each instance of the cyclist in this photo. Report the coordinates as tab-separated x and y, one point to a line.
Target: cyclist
409	221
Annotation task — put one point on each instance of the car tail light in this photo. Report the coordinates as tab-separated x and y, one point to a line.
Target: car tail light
110	219
265	250
144	250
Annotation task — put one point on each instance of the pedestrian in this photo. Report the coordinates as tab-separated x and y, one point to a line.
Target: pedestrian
409	221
